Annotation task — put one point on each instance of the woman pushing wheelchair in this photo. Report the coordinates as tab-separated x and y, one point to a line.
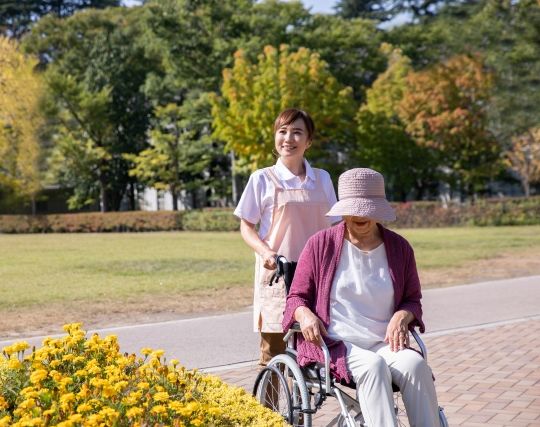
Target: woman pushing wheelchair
356	287
288	202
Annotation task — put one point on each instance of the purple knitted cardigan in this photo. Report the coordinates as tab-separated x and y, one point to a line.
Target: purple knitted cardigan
313	282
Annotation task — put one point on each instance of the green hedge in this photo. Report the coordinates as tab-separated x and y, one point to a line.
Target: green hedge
508	211
516	211
92	222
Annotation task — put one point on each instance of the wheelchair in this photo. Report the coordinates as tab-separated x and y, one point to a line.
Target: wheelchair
297	393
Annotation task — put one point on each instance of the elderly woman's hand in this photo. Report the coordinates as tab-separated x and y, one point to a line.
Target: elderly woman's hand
397	332
312	327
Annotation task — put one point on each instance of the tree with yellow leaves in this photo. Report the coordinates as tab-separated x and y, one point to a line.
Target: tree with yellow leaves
254	94
21	90
523	158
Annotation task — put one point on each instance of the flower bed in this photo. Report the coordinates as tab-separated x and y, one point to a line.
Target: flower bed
80	381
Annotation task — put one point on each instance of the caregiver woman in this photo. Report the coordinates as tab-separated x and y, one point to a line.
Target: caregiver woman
288	202
357	286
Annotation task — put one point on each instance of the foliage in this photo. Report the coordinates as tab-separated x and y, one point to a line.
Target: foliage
254	94
506	35
95	74
75	379
523	158
384	11
383	142
179	149
445	110
21	121
195	40
350	47
17	16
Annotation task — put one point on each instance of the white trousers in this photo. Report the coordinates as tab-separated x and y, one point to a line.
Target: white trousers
375	369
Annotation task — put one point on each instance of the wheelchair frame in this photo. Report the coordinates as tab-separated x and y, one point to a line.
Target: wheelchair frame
284	379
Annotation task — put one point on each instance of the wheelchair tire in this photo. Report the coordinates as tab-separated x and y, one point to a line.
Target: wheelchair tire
271	390
442	418
300	396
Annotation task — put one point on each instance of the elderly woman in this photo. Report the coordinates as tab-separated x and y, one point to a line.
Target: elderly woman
356	287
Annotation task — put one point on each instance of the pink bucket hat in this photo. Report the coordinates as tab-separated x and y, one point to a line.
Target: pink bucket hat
361	193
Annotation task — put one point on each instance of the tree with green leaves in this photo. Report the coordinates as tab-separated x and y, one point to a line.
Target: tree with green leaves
96	72
16	16
383	142
445	110
180	150
381	10
252	95
21	122
349	47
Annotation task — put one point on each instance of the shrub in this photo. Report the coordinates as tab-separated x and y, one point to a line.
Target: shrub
510	211
73	381
211	220
92	222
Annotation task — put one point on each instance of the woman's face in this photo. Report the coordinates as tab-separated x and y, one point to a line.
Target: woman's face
360	227
292	140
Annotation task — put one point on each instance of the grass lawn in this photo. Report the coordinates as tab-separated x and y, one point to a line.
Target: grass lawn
154	270
42	268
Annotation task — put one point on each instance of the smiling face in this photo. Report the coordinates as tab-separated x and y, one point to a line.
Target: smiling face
292	140
360	227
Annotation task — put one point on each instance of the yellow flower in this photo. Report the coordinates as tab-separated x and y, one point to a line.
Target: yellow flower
146	351
14	363
134	412
65	401
143	386
158	353
76	418
161	396
55	363
37	376
84	407
109	391
3	403
159	409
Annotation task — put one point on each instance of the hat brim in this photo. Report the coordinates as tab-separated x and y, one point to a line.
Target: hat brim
375	208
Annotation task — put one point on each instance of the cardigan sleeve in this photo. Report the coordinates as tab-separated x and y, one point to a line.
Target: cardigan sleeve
412	293
303	289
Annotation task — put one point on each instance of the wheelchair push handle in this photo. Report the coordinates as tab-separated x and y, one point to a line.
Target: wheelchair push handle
285	269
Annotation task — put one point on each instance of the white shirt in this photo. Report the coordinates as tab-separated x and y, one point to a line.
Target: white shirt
257	202
362	296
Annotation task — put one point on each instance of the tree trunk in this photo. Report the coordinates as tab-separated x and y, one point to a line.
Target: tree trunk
526	187
174	194
132	201
103	196
233	180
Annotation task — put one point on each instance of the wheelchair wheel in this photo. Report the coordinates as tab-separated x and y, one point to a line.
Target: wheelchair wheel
442	418
271	390
296	386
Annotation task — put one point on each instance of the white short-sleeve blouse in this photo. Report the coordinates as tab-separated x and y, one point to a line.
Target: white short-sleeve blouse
257	202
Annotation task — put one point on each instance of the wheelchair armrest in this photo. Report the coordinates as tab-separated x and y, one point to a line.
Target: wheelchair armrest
295	328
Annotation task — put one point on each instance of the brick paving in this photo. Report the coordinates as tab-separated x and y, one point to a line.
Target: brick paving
486	376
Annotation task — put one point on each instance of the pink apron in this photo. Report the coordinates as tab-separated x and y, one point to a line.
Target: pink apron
297	215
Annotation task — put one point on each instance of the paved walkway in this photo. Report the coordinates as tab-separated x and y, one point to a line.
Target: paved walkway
485	376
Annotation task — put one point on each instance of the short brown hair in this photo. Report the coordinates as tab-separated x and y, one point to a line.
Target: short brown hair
286	117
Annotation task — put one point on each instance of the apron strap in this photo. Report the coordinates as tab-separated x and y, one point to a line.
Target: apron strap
271	174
